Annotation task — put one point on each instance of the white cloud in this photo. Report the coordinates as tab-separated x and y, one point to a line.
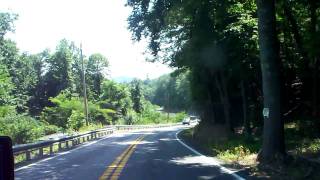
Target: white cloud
99	24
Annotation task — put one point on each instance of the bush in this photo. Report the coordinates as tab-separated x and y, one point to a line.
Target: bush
238	152
50	129
22	129
57	116
7	110
99	115
76	120
179	117
151	115
65	107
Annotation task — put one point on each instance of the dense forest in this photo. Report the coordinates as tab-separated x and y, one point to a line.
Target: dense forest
42	93
242	57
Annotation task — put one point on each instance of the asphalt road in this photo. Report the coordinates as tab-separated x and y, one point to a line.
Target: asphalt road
150	154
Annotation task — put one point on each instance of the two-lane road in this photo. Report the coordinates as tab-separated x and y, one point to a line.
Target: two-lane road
148	154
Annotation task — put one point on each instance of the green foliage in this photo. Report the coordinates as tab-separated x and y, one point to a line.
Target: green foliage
95	72
67	111
6	23
152	115
76	120
236	145
23	129
136	96
7	110
6	86
117	98
100	115
236	153
91	127
179	117
171	91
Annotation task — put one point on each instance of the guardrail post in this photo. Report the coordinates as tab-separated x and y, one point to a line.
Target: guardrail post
51	149
28	155
67	144
40	151
59	146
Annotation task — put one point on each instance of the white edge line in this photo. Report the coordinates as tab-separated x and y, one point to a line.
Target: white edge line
226	170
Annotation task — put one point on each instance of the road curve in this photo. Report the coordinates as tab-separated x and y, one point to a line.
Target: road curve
149	154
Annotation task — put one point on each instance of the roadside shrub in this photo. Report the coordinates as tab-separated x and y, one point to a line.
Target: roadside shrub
50	129
22	129
7	110
91	127
57	116
179	117
64	107
76	120
236	153
99	115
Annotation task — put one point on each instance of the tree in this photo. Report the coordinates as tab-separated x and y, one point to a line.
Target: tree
194	35
171	91
58	76
273	132
6	87
96	69
136	96
38	97
116	97
6	23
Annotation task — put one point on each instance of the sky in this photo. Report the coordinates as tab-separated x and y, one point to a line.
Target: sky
100	25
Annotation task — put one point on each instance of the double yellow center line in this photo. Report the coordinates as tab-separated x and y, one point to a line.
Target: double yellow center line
114	170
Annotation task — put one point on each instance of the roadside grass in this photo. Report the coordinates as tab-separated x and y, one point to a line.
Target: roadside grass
91	127
240	152
302	141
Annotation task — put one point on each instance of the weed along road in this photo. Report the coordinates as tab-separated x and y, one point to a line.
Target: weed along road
145	154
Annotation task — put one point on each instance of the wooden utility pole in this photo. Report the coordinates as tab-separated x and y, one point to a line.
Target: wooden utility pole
85	99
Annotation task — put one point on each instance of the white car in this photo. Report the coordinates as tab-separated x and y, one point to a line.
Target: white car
186	121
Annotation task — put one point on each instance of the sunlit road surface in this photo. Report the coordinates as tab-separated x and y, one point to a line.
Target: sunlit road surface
149	154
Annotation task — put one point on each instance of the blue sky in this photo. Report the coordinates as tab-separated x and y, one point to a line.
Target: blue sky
100	25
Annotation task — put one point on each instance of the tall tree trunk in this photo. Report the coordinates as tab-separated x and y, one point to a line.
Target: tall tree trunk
313	31
246	121
210	108
224	100
273	135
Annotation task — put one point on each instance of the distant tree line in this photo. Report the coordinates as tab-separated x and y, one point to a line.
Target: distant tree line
170	91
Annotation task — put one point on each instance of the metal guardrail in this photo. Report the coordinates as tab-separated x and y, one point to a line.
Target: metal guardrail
37	150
